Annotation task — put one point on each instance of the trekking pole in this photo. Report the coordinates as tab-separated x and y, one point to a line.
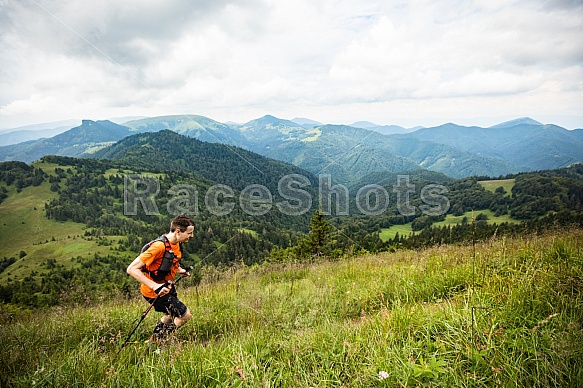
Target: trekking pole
143	316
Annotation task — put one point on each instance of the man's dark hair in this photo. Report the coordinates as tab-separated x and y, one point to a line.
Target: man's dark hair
181	222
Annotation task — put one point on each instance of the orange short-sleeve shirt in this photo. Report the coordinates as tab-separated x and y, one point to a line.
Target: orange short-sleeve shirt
152	258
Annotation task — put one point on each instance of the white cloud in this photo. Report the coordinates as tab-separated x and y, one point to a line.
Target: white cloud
330	60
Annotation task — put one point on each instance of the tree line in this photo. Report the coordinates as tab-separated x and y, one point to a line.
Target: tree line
90	191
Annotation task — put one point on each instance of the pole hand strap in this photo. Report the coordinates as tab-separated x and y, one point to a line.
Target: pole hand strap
166	284
170	282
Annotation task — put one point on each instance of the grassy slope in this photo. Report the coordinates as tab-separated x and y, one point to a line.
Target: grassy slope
389	233
246	230
24	227
450	219
507	315
453	220
494	184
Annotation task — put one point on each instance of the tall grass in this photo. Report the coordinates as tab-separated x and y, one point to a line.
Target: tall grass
507	314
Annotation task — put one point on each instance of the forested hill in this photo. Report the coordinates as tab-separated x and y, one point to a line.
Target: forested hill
81	235
347	153
232	166
84	228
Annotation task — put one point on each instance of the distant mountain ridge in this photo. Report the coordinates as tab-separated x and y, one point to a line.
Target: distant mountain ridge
306	123
34	132
530	146
198	127
21	136
515	122
42	126
384	129
77	141
347	153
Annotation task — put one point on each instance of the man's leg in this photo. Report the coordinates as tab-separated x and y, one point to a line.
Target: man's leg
179	321
162	329
175	315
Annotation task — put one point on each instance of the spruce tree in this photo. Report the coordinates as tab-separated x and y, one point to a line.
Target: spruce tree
319	235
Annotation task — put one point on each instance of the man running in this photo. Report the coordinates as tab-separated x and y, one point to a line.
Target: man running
155	268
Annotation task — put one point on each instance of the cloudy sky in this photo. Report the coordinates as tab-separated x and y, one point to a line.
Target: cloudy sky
418	62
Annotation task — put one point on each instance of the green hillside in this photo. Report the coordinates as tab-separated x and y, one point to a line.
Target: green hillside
23	214
72	212
79	231
347	153
385	178
232	166
195	126
503	313
450	220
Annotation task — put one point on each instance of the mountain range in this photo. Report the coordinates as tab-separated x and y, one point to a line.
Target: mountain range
522	143
348	153
35	131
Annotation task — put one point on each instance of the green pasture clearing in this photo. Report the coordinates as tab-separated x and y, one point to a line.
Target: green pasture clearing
508	184
450	219
23	222
48	168
25	228
246	230
63	249
390	233
116	171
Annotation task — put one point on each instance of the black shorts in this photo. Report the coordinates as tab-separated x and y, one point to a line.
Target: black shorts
169	304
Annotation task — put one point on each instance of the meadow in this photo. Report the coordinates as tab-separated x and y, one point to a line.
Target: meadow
504	312
492	185
450	220
28	235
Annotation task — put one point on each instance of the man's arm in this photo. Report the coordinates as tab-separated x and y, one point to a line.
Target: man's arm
135	271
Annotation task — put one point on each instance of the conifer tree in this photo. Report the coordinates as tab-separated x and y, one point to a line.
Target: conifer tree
319	235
